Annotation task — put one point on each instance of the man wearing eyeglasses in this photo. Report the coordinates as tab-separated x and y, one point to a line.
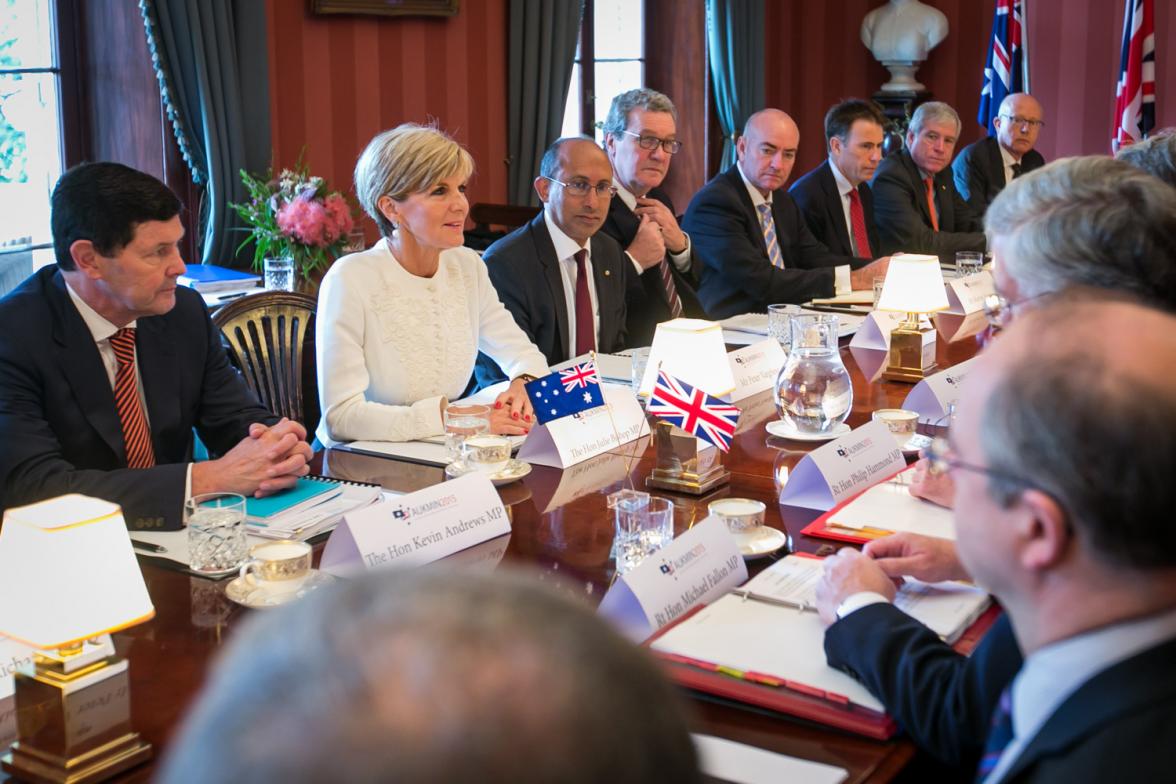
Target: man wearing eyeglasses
561	278
985	167
1063	513
640	137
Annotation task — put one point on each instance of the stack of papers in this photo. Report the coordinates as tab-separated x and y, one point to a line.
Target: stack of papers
312	506
210	279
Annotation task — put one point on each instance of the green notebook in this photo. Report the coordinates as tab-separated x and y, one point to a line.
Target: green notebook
307	492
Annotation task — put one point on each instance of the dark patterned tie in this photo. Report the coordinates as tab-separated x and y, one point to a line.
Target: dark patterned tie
672	298
1000	734
1016	167
585	323
857	216
136	435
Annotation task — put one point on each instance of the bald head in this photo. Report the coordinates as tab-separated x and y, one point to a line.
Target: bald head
1017	123
767	149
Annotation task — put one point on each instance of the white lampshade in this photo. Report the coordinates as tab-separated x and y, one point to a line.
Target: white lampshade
690	350
68	573
914	284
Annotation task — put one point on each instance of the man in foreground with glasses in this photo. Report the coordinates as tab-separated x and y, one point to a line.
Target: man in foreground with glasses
1065	493
984	168
561	278
754	244
640	137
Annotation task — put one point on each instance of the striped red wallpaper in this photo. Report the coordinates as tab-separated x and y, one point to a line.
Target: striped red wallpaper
338	80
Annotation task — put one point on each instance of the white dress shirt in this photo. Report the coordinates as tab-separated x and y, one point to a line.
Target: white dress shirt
844	188
566	249
680	260
1008	160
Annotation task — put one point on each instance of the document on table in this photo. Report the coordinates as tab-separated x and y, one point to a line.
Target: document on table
739	763
757	323
889	506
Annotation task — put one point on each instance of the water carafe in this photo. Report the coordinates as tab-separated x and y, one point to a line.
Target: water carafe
813	391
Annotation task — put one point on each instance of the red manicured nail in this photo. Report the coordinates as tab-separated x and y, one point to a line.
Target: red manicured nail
514	415
526	417
498	404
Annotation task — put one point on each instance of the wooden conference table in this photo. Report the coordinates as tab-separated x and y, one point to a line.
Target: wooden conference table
561	529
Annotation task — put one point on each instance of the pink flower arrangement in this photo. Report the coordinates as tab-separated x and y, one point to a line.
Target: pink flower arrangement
317	223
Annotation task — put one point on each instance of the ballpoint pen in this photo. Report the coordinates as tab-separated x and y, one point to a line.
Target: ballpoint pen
148	546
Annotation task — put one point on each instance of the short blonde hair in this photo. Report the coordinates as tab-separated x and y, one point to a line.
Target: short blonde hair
406	160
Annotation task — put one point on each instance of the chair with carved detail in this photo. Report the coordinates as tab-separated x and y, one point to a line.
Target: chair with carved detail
270	339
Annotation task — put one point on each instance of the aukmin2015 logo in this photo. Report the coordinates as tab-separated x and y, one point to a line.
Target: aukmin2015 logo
411	513
849	450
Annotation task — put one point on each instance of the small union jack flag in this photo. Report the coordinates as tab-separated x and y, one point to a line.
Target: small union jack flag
579	376
696	412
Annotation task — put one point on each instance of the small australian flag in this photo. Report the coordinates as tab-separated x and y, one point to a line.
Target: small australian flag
565	392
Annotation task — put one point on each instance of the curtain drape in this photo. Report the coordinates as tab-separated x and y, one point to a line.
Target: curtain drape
213	68
735	48
542	50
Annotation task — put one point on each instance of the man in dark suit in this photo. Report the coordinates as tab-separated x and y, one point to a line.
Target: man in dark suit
984	168
1083	563
640	139
107	367
916	204
754	246
561	278
835	198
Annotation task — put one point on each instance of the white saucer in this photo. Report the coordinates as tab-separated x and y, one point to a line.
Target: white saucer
250	593
782	429
760	541
514	471
916	443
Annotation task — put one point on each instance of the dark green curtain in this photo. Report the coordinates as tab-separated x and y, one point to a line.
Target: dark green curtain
211	60
735	47
542	50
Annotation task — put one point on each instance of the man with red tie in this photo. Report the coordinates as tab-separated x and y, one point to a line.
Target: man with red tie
835	198
107	366
916	202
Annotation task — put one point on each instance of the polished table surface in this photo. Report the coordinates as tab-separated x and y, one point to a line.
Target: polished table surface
562	529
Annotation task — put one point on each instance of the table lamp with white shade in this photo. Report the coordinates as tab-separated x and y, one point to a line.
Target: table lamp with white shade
68	580
692	351
914	285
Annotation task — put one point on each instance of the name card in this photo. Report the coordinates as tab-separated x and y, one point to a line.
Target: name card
965	314
575	438
417	528
699	566
826	476
874	332
932	396
755	367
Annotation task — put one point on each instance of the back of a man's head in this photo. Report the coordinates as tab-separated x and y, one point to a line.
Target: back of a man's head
1090	221
1085	409
104	202
441	677
1156	156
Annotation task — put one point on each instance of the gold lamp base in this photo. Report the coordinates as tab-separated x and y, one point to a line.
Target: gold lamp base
74	727
912	352
681	466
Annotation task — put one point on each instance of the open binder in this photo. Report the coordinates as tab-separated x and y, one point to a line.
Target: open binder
881	510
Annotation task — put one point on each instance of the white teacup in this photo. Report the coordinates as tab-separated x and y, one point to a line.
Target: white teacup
279	567
486	452
740	514
900	421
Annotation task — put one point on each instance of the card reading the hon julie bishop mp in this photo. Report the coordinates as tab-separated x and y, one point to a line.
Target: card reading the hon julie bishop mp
418	528
699	566
827	476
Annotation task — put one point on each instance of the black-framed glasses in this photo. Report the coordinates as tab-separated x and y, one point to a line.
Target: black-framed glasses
581	188
1024	121
670	146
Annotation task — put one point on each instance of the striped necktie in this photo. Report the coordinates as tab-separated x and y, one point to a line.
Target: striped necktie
769	228
136	435
672	298
1000	735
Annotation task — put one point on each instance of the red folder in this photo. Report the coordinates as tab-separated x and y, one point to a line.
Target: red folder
819	528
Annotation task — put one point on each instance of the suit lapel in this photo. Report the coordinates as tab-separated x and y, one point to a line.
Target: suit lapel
836	211
545	250
602	278
996	173
160	372
736	183
920	189
81	364
624	220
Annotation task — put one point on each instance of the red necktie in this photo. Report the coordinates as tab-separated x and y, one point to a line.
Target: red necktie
857	217
136	435
930	183
672	298
585	323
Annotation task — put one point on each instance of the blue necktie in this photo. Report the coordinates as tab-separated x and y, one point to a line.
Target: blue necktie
1000	734
769	228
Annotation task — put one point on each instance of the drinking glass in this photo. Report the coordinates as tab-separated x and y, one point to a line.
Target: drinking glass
879	283
279	274
463	420
216	531
968	262
640	357
643	526
813	390
779	323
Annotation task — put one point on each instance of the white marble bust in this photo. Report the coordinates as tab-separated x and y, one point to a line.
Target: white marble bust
900	34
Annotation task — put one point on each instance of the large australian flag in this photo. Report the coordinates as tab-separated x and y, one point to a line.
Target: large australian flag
1004	70
565	392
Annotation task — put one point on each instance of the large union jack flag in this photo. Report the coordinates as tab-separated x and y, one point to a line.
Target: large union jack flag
1006	69
1135	93
693	410
579	376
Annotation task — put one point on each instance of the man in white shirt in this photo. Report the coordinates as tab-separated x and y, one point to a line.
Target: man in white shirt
561	278
755	248
984	168
1062	512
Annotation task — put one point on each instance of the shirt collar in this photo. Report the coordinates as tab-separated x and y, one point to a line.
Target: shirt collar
1053	673
757	198
1007	156
99	327
626	195
565	246
843	185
